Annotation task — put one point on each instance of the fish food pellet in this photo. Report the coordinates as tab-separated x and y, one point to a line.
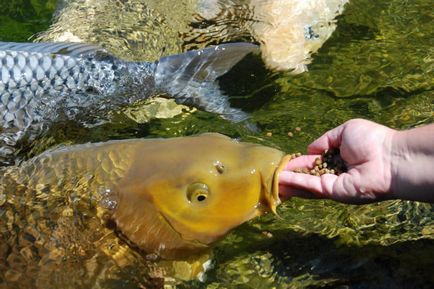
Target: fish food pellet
330	162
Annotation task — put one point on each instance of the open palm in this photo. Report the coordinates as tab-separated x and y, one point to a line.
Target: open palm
366	149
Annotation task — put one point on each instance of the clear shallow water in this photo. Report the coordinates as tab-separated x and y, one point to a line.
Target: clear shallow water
377	65
20	19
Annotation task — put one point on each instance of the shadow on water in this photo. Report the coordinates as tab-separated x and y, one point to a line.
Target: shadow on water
249	84
290	260
356	267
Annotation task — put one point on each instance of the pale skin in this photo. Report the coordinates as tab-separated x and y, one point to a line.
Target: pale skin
382	163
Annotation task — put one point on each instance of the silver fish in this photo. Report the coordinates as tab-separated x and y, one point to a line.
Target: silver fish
42	82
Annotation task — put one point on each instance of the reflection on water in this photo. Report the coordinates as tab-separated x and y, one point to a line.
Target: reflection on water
378	64
288	31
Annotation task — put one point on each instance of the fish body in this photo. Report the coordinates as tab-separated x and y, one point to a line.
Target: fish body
44	82
34	84
171	198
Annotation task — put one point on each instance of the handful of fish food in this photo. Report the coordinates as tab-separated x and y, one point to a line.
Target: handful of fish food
171	198
330	162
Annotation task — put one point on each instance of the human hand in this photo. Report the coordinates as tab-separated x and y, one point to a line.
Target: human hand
366	149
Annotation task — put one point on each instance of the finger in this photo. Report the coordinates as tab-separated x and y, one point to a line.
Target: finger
343	188
305	161
321	186
286	193
329	140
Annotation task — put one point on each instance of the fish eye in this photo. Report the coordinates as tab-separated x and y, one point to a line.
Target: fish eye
197	193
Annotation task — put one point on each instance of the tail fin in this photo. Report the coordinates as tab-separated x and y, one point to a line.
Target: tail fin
190	77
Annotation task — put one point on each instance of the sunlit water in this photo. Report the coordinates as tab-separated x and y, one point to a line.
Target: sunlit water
377	65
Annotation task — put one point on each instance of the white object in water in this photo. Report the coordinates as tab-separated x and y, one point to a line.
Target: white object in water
291	30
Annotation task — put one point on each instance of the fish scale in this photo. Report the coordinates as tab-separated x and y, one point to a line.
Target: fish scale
40	82
48	79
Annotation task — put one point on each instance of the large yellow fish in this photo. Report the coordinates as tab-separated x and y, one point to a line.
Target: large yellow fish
169	197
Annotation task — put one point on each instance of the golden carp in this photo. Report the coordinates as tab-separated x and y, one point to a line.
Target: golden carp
170	197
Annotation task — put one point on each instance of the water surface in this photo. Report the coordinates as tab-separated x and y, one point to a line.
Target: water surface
377	65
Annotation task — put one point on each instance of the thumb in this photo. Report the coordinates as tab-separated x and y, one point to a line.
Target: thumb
329	140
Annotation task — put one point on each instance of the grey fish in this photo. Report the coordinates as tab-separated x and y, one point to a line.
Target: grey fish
40	82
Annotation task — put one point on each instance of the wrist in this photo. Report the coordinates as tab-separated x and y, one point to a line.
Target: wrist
412	164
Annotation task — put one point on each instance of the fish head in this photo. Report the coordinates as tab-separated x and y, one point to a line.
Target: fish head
183	194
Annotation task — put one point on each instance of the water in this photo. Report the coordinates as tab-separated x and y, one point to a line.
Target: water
377	65
21	19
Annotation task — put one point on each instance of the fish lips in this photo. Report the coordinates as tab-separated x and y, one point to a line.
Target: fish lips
270	197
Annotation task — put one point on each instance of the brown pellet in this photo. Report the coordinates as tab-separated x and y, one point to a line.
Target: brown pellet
329	163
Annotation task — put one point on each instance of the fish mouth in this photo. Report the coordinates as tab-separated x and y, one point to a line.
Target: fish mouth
270	197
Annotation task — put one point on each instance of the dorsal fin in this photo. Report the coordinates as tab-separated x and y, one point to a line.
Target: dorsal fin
190	77
202	65
61	48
